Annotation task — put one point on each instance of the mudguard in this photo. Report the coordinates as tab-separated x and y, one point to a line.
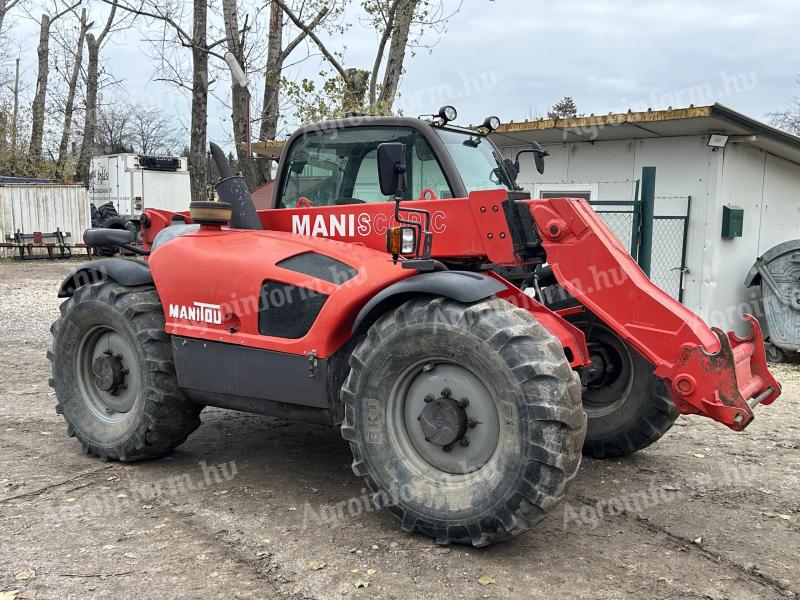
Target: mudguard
461	286
129	272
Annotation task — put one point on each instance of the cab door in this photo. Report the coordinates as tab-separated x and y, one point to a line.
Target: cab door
329	185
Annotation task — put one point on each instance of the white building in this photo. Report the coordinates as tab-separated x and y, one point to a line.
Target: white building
706	158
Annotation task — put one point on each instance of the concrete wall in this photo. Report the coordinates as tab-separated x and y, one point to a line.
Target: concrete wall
35	207
767	187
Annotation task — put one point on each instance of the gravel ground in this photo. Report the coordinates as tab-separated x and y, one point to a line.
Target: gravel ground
247	507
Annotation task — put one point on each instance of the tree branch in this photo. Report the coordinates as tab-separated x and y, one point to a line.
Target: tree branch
109	23
305	28
302	35
387	33
184	38
65	11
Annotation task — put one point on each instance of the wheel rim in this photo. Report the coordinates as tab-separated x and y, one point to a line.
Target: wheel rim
108	383
610	375
432	425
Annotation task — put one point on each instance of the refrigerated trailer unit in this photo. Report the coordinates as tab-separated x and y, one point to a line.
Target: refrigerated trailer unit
133	183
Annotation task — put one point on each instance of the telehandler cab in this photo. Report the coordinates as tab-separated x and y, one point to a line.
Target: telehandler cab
404	286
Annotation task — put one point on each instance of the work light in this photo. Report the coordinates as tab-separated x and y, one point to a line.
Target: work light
448	113
491	123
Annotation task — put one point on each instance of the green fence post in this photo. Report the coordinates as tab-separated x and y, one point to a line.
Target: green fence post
648	211
636	218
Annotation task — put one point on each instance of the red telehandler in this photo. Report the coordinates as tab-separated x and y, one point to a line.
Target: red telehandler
471	341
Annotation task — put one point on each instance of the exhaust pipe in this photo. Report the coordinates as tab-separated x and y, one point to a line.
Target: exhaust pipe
233	190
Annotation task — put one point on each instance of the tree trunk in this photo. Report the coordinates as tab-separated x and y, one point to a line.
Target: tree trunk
3	129
39	99
355	90
404	15
90	125
240	100
198	166
63	147
272	78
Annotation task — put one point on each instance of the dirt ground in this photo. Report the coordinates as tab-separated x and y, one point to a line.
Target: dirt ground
253	507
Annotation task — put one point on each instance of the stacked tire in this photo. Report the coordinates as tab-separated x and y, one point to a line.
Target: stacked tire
107	217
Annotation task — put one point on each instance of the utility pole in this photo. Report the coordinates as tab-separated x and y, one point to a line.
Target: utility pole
16	109
14	126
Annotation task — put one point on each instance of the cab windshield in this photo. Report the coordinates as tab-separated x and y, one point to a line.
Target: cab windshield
478	161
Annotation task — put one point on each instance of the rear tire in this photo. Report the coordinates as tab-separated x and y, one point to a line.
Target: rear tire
523	405
113	374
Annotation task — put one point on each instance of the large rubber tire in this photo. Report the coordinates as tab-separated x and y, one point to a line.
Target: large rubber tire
522	374
634	410
156	416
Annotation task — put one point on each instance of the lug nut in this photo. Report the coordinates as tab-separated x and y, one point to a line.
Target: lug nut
465	441
429	398
446	392
464	402
447	448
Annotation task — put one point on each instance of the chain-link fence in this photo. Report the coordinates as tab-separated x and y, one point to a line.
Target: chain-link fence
668	261
666	268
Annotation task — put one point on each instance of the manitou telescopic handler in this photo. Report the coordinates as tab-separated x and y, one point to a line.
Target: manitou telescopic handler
398	286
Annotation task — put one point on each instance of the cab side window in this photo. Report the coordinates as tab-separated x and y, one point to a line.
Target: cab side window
340	167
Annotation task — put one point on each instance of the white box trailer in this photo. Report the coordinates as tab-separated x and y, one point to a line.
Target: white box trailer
132	183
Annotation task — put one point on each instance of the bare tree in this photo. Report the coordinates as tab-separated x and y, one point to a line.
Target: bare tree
113	129
277	54
240	96
42	75
5	7
93	45
169	14
153	133
399	23
69	106
123	127
789	119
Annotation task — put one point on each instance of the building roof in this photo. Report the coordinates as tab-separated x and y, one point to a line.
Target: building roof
673	122
694	120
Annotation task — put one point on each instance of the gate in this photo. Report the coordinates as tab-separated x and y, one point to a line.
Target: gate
656	241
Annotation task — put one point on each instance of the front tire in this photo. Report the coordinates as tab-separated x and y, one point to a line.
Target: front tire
434	373
628	408
113	374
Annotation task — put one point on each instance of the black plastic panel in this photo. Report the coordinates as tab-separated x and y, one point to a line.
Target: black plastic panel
244	378
319	266
287	311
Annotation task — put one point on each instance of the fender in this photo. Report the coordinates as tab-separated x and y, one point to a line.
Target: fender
461	286
129	272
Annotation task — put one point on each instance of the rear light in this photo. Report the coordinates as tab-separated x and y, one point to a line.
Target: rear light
401	240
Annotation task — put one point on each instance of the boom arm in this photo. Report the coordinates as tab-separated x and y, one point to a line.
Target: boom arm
708	372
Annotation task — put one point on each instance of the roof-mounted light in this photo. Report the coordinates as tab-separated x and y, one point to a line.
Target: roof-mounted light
491	123
448	113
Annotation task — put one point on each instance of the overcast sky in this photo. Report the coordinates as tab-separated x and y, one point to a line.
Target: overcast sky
514	58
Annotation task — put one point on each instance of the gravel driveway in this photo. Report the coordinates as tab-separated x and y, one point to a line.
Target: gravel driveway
254	507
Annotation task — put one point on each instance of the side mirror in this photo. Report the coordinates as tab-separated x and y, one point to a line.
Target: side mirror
538	156
392	169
